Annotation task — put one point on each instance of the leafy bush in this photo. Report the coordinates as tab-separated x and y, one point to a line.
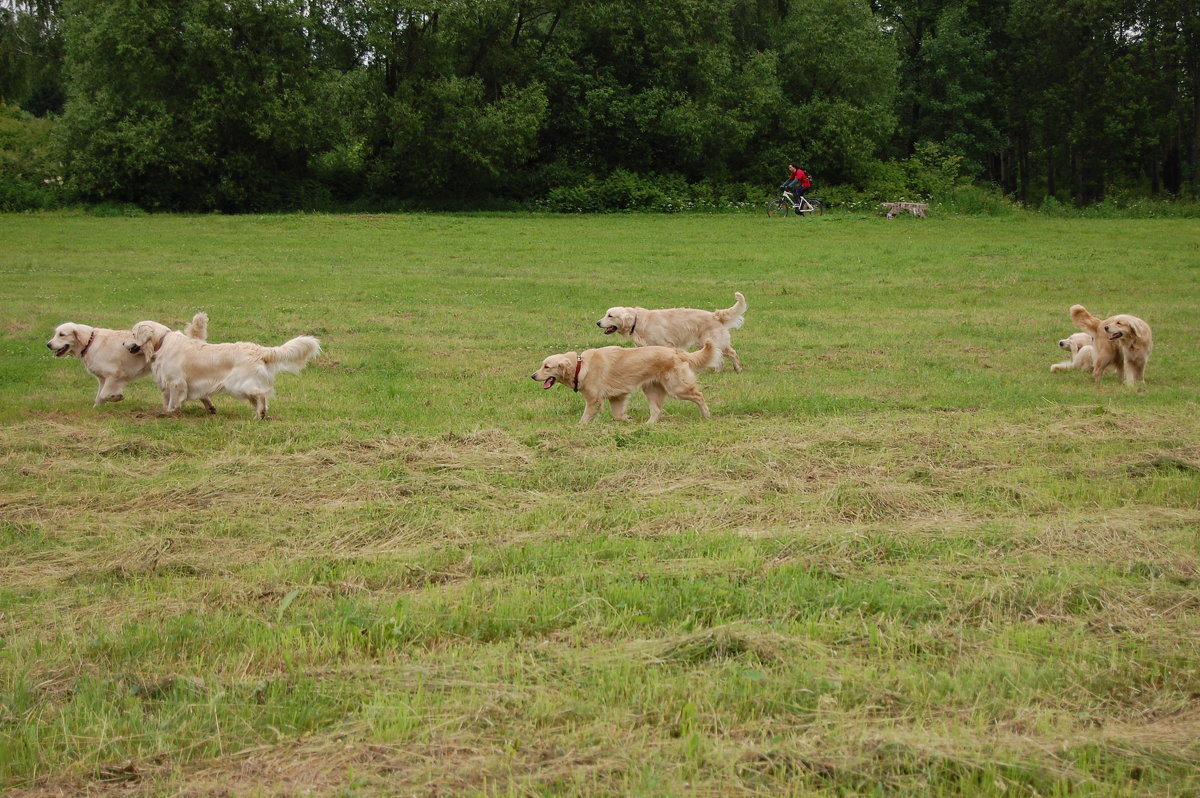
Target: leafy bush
1123	204
627	191
975	200
29	177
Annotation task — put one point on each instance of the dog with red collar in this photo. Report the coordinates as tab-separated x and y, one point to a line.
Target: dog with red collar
103	355
615	372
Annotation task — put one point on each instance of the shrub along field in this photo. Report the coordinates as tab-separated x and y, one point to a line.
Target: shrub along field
901	558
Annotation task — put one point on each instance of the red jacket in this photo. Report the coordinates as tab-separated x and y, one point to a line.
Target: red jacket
799	175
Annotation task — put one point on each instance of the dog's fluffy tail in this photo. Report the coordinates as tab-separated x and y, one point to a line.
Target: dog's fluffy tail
707	357
292	355
735	316
198	328
1084	320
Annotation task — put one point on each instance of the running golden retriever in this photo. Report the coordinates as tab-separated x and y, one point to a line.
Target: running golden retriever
1082	351
681	328
1121	341
185	368
101	352
614	372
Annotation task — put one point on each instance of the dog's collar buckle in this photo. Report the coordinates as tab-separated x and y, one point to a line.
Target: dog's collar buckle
88	345
578	366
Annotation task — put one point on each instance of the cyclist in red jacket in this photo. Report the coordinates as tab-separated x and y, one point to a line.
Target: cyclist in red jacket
797	182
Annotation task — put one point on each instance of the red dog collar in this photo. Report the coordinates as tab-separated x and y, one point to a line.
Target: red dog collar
88	346
578	366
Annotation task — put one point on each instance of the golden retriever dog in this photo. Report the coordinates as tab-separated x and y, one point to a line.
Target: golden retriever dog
1121	341
681	328
1081	349
614	372
185	368
102	353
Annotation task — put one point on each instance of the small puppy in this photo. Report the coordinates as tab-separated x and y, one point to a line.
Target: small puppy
681	328
614	372
102	354
1083	353
1121	341
185	368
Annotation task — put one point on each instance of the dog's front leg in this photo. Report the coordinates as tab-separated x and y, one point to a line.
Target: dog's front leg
1133	373
173	396
110	391
591	410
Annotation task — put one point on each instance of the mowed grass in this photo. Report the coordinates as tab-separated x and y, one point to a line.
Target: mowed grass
901	558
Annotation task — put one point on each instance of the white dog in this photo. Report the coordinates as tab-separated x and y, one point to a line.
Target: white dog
1082	349
681	328
105	358
185	368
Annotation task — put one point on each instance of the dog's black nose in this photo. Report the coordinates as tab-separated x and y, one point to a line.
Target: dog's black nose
134	349
598	324
533	376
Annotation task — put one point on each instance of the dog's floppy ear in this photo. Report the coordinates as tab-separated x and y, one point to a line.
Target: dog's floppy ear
143	334
564	367
1141	329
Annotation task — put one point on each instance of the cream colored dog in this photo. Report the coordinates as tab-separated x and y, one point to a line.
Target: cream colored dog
101	352
682	328
185	368
614	372
1121	341
1083	353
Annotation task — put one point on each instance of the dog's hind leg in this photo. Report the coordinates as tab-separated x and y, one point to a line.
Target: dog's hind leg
732	355
618	406
654	397
693	395
680	385
260	405
208	405
1103	361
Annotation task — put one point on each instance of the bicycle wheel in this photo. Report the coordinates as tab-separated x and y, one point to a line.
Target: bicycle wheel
818	209
778	208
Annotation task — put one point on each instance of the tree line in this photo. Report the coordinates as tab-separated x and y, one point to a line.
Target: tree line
242	105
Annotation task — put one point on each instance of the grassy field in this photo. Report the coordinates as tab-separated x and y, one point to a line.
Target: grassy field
902	558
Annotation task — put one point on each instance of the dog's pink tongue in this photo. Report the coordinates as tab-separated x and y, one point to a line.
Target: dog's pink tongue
548	383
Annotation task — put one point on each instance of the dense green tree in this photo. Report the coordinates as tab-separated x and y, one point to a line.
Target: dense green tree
189	103
244	104
959	91
31	55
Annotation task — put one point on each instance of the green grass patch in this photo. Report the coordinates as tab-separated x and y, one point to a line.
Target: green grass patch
903	557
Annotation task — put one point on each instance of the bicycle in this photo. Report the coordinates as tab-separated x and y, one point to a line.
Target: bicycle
803	206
